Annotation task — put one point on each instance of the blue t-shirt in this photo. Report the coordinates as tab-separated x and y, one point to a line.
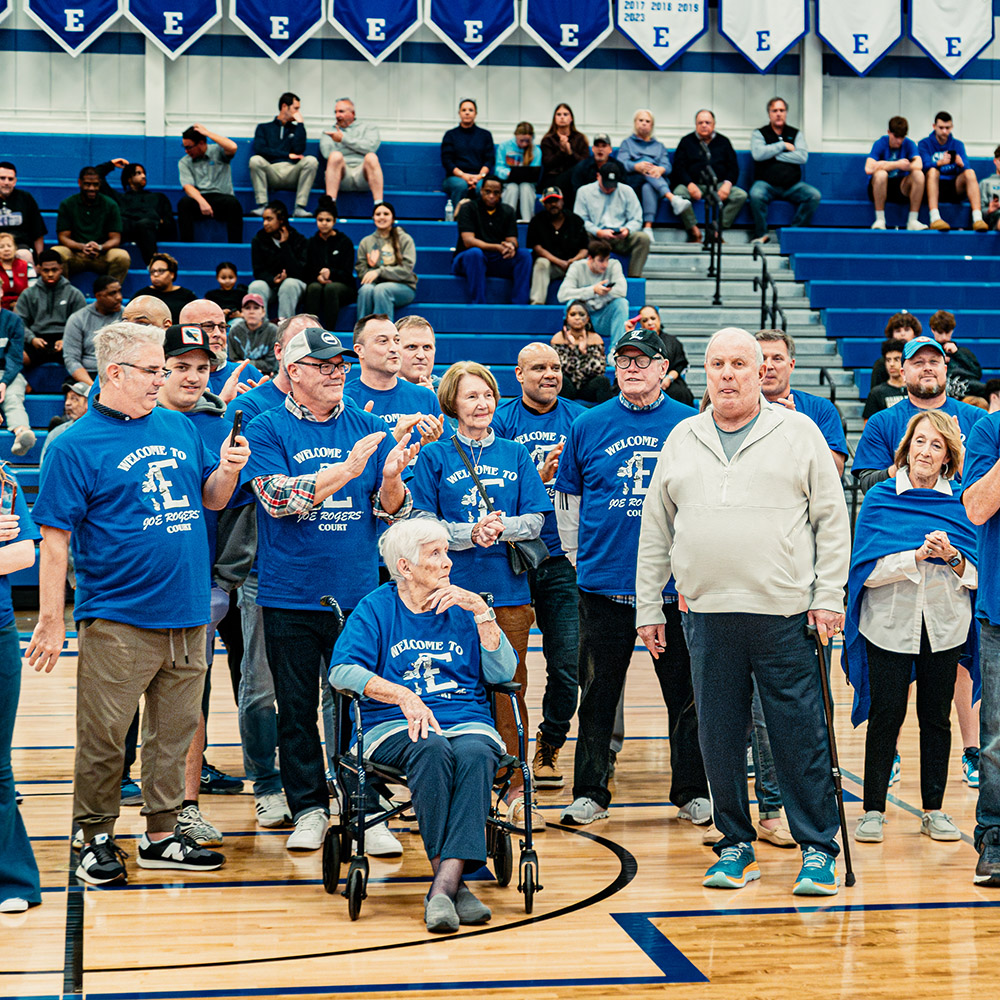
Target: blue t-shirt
218	378
885	429
608	462
130	491
539	433
441	485
214	429
25	530
825	416
254	402
982	451
881	150
391	404
930	151
436	656
330	549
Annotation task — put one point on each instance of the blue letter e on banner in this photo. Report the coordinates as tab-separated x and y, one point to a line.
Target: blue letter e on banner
173	25
375	27
74	24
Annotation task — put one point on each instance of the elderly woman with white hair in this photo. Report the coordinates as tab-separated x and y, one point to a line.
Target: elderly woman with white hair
421	651
647	168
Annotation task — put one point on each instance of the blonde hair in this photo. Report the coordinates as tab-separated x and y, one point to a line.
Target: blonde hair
645	111
526	128
945	425
450	380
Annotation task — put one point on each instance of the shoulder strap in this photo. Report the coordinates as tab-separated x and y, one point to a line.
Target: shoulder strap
472	472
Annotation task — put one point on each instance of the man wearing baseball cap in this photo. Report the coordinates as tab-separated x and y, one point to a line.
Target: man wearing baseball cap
925	376
604	474
584	171
610	211
322	473
556	239
253	336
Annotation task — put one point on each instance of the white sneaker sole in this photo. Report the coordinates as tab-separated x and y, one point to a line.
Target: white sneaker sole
178	865
570	820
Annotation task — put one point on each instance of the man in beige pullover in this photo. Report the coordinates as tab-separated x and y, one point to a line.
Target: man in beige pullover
746	510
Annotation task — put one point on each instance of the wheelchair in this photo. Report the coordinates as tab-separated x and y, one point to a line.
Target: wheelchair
351	769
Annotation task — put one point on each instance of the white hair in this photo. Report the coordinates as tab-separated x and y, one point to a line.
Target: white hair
645	111
405	539
752	342
121	342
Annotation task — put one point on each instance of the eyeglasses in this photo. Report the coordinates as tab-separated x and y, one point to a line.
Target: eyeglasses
151	372
208	326
328	369
159	270
641	360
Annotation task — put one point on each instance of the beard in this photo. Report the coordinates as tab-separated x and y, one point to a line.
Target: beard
926	391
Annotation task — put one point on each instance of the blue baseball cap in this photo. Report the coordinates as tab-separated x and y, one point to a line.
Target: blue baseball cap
912	346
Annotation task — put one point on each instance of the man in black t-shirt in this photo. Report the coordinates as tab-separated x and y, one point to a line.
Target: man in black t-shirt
556	239
19	215
487	245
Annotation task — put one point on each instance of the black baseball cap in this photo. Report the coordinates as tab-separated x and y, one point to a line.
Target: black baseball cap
314	343
183	337
609	175
644	340
602	137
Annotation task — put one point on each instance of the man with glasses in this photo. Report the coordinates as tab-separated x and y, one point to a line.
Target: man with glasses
226	376
322	473
604	474
207	179
163	285
129	482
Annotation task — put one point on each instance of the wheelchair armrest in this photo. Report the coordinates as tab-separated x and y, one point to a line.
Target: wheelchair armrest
504	687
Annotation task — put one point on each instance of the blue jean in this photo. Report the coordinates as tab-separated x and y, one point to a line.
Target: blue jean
383	297
299	644
18	870
289	292
650	190
555	597
765	785
988	806
728	653
476	265
803	195
609	322
450	781
257	716
456	188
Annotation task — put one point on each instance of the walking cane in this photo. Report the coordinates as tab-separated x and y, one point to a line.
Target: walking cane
821	641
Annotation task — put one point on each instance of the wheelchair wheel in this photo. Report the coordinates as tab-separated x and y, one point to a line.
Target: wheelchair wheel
355	892
331	860
503	858
528	888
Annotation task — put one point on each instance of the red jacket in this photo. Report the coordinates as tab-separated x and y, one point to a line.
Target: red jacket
11	285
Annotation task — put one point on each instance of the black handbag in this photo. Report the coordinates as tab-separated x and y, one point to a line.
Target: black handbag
522	555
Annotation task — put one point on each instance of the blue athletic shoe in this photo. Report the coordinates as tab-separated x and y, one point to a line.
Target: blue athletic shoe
736	866
970	766
131	793
894	773
216	782
818	874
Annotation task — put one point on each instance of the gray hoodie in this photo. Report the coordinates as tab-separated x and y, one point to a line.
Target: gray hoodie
45	308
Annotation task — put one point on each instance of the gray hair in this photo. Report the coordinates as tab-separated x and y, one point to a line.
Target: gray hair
770	336
118	343
405	539
758	353
345	100
645	111
706	111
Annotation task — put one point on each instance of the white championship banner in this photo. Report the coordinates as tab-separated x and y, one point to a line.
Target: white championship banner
952	32
662	29
861	32
763	30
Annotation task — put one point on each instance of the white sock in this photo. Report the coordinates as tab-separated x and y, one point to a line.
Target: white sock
879	216
977	216
935	215
912	217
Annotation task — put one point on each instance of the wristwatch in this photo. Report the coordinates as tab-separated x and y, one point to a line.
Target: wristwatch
958	558
489	615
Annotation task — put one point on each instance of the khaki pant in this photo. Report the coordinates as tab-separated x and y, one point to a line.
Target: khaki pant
114	262
542	273
636	247
118	663
294	176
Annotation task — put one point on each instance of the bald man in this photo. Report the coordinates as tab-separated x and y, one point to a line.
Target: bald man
540	420
147	310
225	380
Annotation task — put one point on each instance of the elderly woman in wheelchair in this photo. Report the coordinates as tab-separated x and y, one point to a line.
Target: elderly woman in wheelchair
420	651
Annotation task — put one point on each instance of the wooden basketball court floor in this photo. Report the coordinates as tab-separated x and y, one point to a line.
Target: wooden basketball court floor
622	912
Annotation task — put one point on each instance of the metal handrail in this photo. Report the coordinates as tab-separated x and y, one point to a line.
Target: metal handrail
825	376
713	236
768	313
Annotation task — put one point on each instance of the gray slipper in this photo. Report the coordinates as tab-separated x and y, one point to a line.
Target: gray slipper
23	442
471	910
439	915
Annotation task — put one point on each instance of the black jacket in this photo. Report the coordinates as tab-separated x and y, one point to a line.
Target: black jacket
336	253
690	160
269	258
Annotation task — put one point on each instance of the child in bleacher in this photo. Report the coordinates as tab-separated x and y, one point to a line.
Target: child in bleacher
229	295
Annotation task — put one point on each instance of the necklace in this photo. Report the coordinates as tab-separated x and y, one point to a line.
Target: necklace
475	457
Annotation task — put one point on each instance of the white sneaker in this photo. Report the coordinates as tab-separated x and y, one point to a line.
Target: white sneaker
699	811
938	826
916	226
310	829
272	809
193	823
679	205
582	811
381	843
13	904
878	224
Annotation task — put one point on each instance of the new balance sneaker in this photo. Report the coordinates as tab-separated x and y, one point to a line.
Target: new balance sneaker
699	811
310	829
894	773
545	766
272	809
101	861
381	843
736	866
869	828
582	811
818	874
216	782
178	851
131	793
988	866
77	841
970	766
191	822
938	826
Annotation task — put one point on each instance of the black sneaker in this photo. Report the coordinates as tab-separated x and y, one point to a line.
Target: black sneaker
101	862
988	866
216	782
178	851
